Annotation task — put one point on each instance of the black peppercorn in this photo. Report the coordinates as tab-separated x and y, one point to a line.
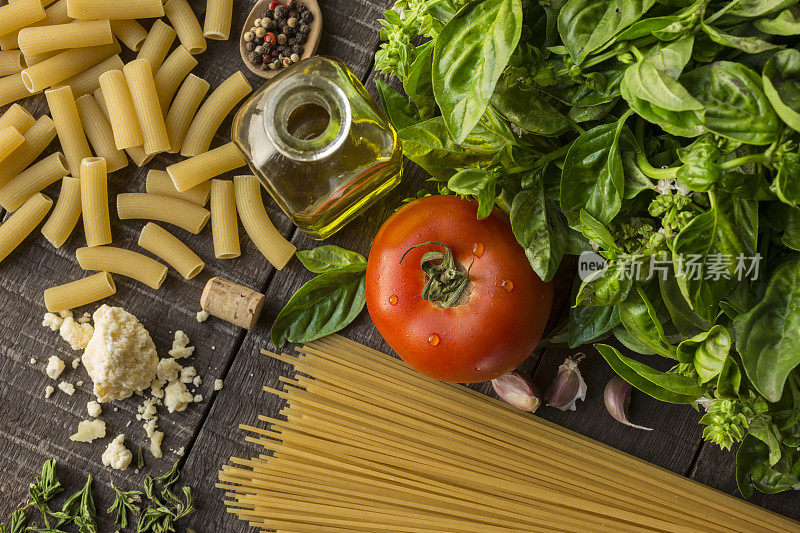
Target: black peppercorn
282	38
250	46
275	53
291	41
297	49
265	66
280	12
300	38
292	14
307	17
255	58
258	40
304	29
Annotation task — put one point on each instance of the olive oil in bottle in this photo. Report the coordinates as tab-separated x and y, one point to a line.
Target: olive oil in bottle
319	144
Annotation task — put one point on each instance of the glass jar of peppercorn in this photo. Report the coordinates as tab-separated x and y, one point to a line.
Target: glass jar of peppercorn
319	144
278	39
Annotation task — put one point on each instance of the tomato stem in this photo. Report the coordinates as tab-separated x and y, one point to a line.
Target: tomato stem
445	281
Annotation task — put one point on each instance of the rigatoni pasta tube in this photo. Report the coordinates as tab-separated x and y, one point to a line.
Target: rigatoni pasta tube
11	62
217	24
170	249
55	14
10	140
136	153
65	216
130	32
159	41
139	76
183	110
94	202
31	60
20	224
123	262
65	65
19	14
81	292
36	140
32	180
121	113
39	39
18	118
13	88
256	222
183	19
172	72
224	222
213	111
186	215
88	81
100	134
69	128
115	9
159	182
195	170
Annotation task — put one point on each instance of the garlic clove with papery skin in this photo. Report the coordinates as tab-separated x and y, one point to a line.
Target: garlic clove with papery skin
517	390
568	387
617	397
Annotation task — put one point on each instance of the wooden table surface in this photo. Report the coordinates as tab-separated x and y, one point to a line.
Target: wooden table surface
33	429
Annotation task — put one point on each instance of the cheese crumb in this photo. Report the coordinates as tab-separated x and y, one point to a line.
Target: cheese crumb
76	363
120	358
33	361
197	381
180	451
85	318
94	409
55	366
67	388
168	370
202	316
198	398
117	456
77	335
48	391
157	388
180	346
147	411
218	384
89	431
52	321
188	373
177	397
65	314
79	383
155	444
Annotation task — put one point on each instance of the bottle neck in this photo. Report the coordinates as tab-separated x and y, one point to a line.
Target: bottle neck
307	117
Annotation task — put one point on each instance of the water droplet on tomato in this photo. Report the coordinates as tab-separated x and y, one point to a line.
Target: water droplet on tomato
434	339
508	285
478	249
393	299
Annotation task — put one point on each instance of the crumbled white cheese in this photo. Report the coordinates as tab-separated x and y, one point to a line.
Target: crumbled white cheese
33	361
197	381
157	388
89	431
180	451
198	398
85	318
55	366
77	335
202	316
48	391
52	321
121	357
66	388
177	397
188	373
218	384
79	383
180	346
117	456
65	314
155	444
94	408
76	363
168	370
147	411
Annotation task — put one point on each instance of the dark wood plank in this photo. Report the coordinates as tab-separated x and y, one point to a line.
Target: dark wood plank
40	430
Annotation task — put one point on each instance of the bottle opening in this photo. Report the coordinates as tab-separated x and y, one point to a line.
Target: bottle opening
307	118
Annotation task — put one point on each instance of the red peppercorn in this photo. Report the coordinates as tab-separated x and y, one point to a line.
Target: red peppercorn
274	3
269	38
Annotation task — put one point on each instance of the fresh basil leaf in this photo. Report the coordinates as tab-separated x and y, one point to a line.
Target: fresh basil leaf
680	312
671	58
768	336
540	229
587	26
469	56
640	319
700	171
328	257
528	109
594	230
400	111
636	181
670	388
787	22
609	286
786	184
592	177
753	470
477	182
589	323
735	104
418	83
743	214
781	77
758	8
322	306
747	44
707	351
791	235
630	342
645	27
729	380
709	239
762	428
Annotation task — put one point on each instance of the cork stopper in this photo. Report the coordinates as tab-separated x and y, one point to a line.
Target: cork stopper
232	302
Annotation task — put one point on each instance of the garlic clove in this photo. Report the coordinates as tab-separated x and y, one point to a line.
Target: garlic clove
517	390
617	397
568	387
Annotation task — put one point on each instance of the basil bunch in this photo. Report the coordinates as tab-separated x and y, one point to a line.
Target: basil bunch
652	132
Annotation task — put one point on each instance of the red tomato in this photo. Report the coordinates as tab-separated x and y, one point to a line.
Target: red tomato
499	318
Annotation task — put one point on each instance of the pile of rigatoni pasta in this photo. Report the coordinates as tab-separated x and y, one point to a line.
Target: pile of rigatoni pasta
105	113
367	444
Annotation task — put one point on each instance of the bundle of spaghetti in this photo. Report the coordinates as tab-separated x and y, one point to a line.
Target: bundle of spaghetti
366	444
